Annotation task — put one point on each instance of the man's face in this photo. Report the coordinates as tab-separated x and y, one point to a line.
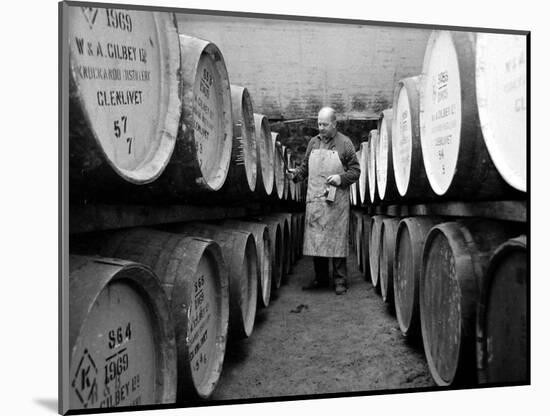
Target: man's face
327	127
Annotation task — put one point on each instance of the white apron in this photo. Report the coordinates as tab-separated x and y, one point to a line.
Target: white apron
326	223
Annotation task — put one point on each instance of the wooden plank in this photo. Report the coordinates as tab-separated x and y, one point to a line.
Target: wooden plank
394	210
379	210
500	210
404	211
86	218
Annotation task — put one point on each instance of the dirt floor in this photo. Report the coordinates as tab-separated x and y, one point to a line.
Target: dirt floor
311	342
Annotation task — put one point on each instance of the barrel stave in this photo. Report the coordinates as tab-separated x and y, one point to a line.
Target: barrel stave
263	250
185	267
388	234
460	166
264	156
454	263
118	310
239	253
242	173
374	249
410	238
502	316
408	165
114	147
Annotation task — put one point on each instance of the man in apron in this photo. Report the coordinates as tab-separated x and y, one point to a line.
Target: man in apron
331	166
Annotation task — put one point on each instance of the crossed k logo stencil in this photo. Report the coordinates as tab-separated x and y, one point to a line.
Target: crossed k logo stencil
84	381
90	13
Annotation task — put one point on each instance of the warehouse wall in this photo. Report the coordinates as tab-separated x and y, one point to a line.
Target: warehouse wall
293	68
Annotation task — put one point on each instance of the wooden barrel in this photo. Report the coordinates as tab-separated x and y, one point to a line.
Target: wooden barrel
358	237
286	191
295	240
351	233
362	183
411	234
292	227
285	219
301	230
408	166
288	247
264	155
239	254
202	155
299	234
501	88
357	183
371	168
454	261
385	180
241	177
455	156
263	249
194	276
277	250
288	225
286	238
122	346
374	247
365	243
124	107
502	322
386	258
278	166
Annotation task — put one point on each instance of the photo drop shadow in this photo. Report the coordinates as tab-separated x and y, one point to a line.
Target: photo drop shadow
49	404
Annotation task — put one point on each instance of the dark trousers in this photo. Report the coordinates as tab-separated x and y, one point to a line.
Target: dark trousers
339	269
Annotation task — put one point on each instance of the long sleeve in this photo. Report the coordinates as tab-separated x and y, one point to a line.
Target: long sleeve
303	170
351	165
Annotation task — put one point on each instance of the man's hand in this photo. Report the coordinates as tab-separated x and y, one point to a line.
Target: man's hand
334	180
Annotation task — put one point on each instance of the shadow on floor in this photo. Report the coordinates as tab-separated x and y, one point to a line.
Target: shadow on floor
49	404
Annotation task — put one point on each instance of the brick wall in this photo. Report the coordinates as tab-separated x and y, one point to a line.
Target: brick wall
293	68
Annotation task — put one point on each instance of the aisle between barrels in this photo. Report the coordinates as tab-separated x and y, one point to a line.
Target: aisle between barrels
313	342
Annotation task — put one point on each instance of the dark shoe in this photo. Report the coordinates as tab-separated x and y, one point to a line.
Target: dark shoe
340	289
315	284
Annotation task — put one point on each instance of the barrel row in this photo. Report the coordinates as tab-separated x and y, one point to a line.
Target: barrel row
459	285
458	130
151	309
164	124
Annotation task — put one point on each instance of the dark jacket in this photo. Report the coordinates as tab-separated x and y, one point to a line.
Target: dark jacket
343	145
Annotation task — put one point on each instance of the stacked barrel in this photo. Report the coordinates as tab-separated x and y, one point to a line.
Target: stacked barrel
458	130
167	128
456	133
154	119
182	292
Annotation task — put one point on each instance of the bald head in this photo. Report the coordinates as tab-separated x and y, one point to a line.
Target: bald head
326	121
327	112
